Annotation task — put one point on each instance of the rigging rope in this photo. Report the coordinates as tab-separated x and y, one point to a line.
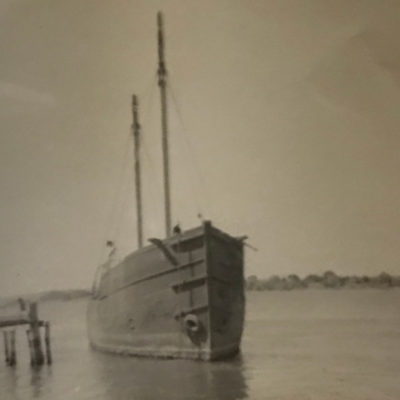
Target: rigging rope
124	183
190	152
120	198
117	194
123	208
154	189
145	146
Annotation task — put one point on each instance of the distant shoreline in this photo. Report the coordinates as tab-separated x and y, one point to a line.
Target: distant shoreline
51	295
328	280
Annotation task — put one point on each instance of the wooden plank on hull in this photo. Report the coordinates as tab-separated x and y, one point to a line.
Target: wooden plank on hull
189	284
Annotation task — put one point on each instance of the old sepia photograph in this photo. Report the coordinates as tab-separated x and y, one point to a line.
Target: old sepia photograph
200	199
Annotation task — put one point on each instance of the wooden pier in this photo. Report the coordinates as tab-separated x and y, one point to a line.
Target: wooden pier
28	317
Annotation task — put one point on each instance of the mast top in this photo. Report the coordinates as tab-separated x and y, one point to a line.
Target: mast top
162	83
162	71
159	18
135	123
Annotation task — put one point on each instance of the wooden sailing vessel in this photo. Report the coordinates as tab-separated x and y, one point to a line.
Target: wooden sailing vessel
182	296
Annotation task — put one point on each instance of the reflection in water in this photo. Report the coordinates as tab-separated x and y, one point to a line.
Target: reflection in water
39	377
36	382
169	379
303	346
10	382
25	382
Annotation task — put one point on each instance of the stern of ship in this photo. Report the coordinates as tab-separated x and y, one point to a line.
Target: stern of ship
182	297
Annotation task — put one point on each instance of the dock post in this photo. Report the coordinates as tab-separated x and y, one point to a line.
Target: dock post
13	354
38	358
6	348
29	337
49	358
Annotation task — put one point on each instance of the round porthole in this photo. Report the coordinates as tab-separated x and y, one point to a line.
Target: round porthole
192	323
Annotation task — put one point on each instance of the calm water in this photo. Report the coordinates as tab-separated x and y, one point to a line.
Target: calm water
297	345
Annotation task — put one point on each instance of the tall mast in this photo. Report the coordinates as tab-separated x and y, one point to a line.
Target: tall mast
162	83
138	187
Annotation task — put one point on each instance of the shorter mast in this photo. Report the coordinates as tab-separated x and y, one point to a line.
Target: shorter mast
138	187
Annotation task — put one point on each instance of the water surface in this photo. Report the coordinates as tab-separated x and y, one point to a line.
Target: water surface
311	344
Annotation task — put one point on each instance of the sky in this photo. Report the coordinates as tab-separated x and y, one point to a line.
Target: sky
284	126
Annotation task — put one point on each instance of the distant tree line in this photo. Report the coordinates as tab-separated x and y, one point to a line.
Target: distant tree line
60	295
328	280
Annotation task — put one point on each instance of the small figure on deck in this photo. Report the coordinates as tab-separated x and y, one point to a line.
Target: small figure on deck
112	246
22	304
177	229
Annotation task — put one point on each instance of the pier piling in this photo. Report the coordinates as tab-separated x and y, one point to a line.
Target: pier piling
49	358
38	358
13	353
6	348
27	316
29	337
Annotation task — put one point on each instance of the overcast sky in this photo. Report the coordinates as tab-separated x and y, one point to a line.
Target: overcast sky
284	126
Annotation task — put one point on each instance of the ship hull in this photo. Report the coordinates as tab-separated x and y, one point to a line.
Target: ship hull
178	298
